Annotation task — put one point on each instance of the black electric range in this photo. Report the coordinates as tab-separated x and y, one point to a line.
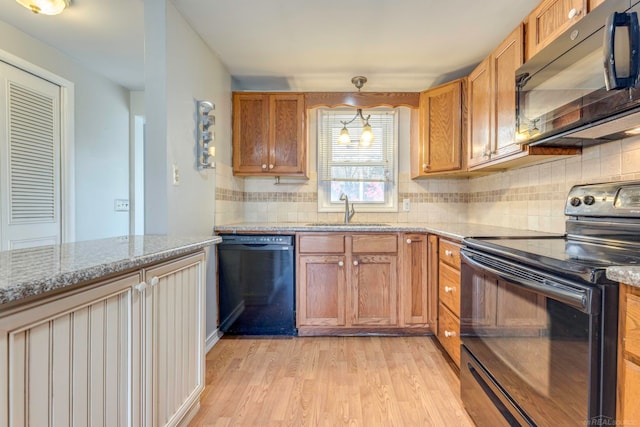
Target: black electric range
539	317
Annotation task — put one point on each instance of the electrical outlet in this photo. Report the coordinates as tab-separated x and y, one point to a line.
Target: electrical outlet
121	205
406	205
175	174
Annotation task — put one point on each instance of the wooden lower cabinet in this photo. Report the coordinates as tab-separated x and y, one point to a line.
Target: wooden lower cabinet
628	411
352	283
321	297
374	295
449	332
419	297
121	352
449	298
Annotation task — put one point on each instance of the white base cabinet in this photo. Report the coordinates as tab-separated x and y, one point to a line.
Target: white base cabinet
124	352
174	333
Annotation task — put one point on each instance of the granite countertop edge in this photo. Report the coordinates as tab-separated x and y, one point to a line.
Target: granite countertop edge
36	284
625	274
454	231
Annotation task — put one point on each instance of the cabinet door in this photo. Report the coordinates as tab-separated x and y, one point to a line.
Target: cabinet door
415	289
628	390
630	383
374	290
70	361
286	126
321	290
442	128
480	105
250	133
505	61
550	19
174	316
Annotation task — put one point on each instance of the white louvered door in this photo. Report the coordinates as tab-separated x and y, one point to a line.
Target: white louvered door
29	160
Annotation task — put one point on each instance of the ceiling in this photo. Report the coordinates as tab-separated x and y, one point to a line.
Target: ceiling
104	36
303	45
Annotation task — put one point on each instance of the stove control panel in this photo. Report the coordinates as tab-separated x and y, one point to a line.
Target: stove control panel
614	199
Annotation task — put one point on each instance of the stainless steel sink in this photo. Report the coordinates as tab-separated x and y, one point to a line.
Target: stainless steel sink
351	224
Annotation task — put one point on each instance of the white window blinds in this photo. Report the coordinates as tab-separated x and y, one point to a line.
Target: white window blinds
352	162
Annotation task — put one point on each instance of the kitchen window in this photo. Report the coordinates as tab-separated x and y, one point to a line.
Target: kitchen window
367	175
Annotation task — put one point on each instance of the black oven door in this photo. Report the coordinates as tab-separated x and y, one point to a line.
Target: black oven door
530	345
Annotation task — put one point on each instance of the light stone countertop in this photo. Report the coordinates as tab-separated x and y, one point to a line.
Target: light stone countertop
31	272
454	231
625	274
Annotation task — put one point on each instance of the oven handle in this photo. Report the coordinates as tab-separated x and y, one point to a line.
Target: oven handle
574	297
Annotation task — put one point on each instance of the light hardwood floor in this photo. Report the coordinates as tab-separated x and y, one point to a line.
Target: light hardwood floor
330	381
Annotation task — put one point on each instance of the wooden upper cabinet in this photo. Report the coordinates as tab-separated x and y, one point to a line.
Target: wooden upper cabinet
441	115
505	60
269	135
550	19
480	106
492	102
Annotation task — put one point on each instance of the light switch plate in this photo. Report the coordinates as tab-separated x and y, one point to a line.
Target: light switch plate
406	205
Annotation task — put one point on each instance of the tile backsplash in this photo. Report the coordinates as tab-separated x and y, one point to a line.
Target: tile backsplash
530	197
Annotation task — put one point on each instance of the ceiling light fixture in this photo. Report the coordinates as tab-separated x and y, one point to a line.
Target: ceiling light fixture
366	138
45	7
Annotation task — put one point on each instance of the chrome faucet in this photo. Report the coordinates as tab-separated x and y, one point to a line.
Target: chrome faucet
347	214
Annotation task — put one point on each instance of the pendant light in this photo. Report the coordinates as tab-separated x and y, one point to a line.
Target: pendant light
366	138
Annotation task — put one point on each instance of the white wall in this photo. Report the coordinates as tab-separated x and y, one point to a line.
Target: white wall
184	70
101	136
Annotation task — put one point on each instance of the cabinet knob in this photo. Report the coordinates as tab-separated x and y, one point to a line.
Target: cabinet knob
448	252
574	12
264	166
154	280
340	264
424	166
140	286
449	334
271	166
355	262
409	241
449	289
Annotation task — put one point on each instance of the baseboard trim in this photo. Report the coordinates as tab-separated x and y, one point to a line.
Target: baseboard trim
211	340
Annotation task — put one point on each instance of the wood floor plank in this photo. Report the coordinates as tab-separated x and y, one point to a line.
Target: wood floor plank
330	381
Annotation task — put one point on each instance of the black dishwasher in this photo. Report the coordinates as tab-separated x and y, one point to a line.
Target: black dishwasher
256	276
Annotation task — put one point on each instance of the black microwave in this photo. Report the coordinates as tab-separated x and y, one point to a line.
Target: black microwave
582	89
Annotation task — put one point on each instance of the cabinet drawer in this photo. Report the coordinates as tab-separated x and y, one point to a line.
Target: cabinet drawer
632	325
449	287
321	243
449	333
374	243
449	252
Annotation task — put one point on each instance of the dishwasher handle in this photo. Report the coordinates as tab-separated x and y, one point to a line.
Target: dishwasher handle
254	247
